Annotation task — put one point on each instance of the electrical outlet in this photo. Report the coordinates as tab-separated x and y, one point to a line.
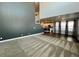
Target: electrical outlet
34	27
21	34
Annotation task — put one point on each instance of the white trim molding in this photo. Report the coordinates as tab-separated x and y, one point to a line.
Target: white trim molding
7	40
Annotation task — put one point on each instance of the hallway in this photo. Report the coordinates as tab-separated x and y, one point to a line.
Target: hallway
40	45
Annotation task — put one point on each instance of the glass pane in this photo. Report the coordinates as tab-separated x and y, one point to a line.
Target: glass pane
70	27
63	26
57	27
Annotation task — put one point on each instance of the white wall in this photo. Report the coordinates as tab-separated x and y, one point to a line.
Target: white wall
49	9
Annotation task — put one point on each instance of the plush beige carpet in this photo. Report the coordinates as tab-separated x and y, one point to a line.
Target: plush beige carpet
40	46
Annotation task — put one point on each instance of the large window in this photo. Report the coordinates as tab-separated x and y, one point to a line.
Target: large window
70	27
63	27
57	27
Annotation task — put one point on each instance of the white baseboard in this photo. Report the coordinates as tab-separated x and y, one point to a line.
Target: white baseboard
7	40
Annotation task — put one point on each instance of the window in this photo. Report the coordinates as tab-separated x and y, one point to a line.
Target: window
63	27
70	27
57	27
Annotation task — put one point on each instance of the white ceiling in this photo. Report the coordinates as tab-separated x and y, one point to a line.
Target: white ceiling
50	9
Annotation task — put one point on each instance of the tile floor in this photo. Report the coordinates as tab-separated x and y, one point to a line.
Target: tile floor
40	46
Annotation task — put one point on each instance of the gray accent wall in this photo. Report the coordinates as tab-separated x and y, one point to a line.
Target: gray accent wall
17	19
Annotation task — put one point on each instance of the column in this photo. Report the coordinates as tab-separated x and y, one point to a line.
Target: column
66	29
59	27
75	29
78	31
54	27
